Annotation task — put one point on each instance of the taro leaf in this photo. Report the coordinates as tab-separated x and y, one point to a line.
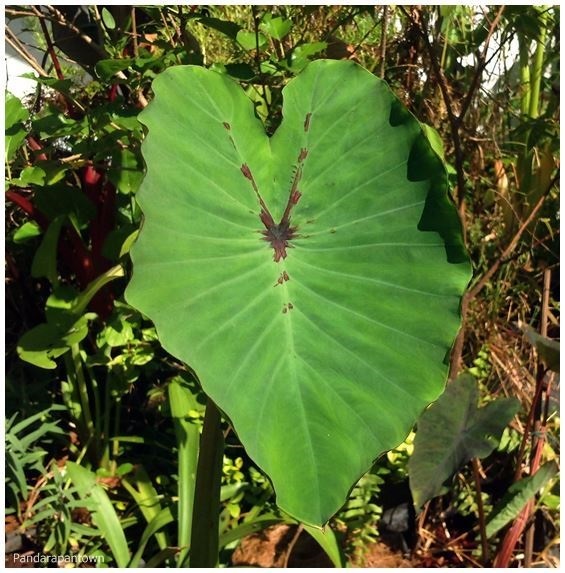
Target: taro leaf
517	497
312	280
451	432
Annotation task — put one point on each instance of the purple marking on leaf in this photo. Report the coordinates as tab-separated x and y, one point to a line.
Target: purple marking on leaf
307	122
283	278
226	125
278	234
246	171
287	307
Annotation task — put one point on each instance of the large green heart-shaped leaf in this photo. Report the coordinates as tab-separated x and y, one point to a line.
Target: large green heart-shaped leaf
311	279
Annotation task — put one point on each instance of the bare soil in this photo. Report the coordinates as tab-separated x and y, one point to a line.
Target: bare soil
277	546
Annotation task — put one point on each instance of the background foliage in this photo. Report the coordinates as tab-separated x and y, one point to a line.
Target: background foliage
95	407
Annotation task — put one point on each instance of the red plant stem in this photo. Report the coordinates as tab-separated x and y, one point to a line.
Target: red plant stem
73	251
51	50
28	208
112	94
536	421
34	145
103	195
511	539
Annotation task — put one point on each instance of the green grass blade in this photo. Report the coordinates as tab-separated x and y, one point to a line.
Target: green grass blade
147	499
182	401
518	496
104	515
161	519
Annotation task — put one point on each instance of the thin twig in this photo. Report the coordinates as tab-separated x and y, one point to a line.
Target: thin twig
60	19
12	39
382	55
258	57
457	352
482	61
454	124
540	416
535	428
291	545
472	293
134	32
50	46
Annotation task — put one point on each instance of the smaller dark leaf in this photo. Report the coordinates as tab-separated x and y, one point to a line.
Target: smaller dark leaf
451	432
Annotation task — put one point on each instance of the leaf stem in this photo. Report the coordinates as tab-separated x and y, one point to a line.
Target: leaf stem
481	509
204	542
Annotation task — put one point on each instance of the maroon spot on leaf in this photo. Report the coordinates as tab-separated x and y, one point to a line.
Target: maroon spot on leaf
282	278
246	171
303	155
279	236
226	125
307	122
287	307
